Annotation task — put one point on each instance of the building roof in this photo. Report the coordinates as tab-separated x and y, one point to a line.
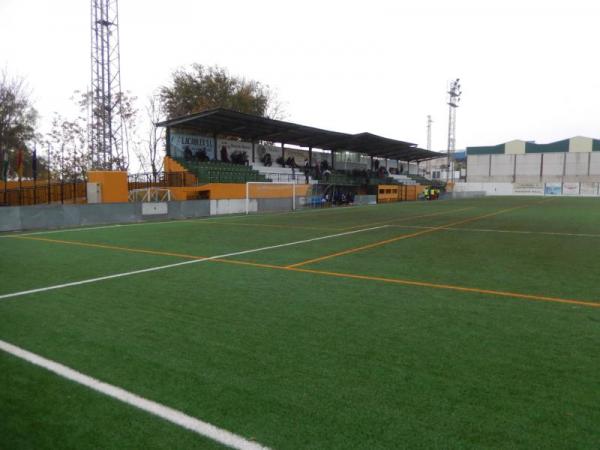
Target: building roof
226	122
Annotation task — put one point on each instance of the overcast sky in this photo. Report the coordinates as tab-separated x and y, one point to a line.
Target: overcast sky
529	69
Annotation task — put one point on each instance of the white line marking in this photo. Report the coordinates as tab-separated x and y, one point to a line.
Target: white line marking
491	230
172	415
168	266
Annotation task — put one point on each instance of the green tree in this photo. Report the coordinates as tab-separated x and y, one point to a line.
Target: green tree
200	88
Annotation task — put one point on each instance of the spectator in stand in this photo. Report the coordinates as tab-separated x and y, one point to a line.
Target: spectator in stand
306	170
224	156
292	163
266	160
187	153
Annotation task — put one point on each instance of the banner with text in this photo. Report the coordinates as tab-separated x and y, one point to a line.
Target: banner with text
570	188
528	188
192	144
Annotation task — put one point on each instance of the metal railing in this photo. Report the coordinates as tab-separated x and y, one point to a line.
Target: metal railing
161	179
45	193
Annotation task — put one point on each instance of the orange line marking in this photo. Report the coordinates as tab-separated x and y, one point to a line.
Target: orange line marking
401	237
332	274
111	247
450	287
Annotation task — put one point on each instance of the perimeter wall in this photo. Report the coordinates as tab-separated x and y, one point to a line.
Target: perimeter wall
567	188
56	216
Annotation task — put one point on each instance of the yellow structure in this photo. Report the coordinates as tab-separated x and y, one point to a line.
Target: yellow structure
396	193
113	185
388	193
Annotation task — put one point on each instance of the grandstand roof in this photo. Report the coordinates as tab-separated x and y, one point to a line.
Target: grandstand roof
247	126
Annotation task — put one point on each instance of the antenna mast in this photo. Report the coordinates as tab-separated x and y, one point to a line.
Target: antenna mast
429	122
105	131
454	93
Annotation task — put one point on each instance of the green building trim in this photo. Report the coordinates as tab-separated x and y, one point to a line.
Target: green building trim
553	147
489	150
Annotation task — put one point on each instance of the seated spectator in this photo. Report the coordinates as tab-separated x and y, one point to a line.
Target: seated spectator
187	153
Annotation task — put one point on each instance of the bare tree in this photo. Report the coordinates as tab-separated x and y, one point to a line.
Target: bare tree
149	154
69	156
129	116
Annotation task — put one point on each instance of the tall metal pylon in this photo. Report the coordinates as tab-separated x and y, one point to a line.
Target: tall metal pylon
106	122
428	163
454	93
429	122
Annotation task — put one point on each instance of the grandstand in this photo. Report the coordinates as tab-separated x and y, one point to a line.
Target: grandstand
375	157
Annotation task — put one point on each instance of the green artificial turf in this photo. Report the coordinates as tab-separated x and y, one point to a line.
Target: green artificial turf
307	360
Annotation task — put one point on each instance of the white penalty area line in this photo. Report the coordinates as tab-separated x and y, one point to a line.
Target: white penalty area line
172	415
183	263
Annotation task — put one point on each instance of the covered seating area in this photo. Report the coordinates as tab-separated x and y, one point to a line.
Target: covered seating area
214	128
223	122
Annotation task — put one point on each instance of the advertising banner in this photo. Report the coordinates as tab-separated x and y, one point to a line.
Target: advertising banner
570	189
190	143
589	189
553	189
528	188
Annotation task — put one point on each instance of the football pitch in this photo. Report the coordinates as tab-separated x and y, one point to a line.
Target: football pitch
452	324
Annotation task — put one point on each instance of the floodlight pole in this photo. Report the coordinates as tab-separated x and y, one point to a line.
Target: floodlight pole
429	122
454	93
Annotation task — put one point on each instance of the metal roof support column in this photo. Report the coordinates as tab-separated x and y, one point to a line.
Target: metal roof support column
589	163
215	146
283	152
253	150
168	141
408	168
371	163
310	156
332	159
